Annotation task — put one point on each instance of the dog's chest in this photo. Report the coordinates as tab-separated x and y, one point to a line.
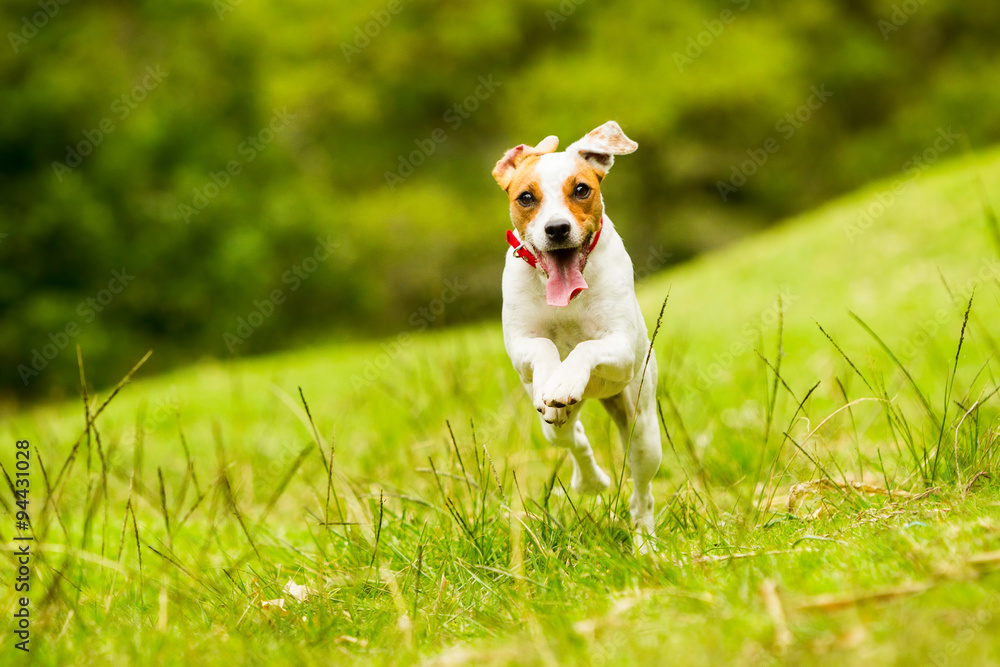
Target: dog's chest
569	329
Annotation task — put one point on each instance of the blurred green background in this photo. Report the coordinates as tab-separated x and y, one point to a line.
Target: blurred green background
225	178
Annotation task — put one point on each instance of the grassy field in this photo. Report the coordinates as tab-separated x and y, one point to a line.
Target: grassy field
828	493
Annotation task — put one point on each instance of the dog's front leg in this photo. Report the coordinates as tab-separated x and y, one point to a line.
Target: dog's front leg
535	360
608	360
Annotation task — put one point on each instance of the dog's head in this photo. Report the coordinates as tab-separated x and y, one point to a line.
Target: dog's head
555	200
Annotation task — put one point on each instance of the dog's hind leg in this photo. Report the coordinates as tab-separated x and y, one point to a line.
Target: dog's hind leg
643	448
644	455
587	475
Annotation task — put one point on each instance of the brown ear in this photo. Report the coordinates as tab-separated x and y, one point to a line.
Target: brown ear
504	170
600	146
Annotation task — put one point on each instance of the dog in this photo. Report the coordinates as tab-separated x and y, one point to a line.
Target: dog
571	321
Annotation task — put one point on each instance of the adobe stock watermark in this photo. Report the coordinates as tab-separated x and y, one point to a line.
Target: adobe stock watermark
968	631
786	126
656	259
565	9
121	108
153	417
224	7
929	327
697	44
59	340
454	117
901	13
218	181
748	333
365	34
38	20
420	320
292	278
912	168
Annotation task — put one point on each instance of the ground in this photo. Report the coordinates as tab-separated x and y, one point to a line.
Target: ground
828	492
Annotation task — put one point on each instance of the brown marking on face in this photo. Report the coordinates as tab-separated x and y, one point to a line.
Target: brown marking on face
524	179
586	209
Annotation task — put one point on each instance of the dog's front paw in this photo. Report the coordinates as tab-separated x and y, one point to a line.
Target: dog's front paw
554	416
565	387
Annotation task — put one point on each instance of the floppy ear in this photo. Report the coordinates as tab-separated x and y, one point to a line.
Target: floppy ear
600	146
504	170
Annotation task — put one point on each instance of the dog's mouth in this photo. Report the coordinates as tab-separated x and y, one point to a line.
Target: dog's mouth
564	270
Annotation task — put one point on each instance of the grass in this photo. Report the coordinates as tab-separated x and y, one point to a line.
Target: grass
828	493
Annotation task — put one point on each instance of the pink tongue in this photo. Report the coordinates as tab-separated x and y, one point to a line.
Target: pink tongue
565	281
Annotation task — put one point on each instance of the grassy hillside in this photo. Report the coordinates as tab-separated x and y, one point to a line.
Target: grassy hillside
218	150
790	526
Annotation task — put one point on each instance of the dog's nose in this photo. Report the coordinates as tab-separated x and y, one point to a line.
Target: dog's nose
557	230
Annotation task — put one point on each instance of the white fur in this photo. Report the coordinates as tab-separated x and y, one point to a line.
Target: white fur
593	348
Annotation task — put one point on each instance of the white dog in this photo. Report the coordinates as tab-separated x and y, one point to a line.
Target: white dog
571	322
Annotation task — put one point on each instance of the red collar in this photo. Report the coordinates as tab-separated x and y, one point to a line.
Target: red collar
527	256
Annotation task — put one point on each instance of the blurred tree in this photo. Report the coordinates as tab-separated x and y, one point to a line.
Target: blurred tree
273	173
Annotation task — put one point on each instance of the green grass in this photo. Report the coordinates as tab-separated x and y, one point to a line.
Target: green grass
421	545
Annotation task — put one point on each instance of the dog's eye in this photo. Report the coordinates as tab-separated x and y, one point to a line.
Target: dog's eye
582	191
526	198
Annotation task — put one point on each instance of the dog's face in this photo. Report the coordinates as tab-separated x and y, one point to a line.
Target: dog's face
555	200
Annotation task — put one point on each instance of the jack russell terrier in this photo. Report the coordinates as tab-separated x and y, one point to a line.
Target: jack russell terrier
571	321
